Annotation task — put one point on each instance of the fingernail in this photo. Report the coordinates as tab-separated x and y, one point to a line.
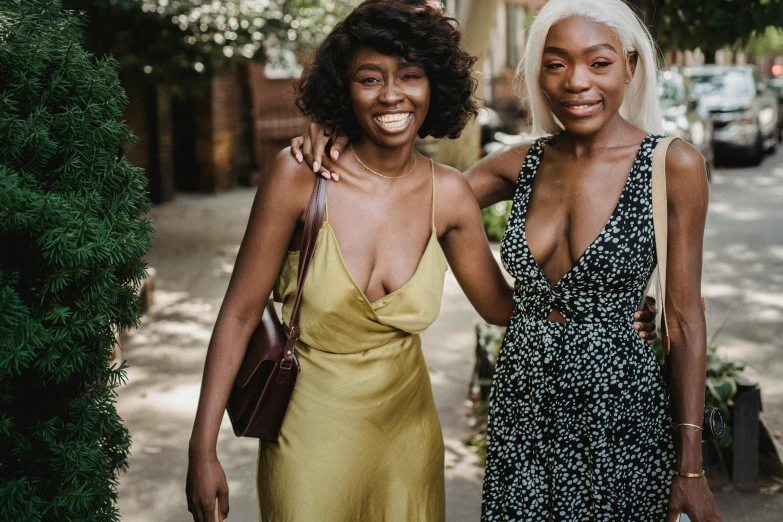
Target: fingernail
336	154
637	326
299	158
637	315
644	335
315	166
336	176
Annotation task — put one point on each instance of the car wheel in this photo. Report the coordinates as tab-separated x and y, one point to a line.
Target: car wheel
756	151
775	141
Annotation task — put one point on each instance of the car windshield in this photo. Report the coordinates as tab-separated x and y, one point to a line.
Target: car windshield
726	83
670	91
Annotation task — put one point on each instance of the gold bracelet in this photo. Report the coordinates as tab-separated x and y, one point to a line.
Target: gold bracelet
688	475
688	424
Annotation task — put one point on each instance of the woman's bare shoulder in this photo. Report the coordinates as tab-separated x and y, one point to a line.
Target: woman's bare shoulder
683	158
450	184
287	184
686	173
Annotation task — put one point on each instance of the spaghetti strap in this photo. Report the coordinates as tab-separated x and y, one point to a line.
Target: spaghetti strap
432	164
326	207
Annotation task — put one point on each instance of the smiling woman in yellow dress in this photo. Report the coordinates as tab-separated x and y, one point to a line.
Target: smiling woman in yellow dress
361	440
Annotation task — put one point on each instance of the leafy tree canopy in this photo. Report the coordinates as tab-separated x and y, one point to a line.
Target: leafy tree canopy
175	40
710	25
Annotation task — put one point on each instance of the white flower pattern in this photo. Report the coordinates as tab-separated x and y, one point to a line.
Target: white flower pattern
580	424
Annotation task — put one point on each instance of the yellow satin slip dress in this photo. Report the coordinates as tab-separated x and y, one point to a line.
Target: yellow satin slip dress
361	441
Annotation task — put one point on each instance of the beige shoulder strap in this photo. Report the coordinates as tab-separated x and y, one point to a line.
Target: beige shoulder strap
661	224
432	166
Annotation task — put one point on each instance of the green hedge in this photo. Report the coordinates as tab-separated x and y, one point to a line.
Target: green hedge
72	233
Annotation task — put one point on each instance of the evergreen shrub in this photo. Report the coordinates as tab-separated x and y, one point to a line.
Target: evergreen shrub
72	234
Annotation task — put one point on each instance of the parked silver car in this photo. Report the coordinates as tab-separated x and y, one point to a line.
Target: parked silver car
743	109
680	115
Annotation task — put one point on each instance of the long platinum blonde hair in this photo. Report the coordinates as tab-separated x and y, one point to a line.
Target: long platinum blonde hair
640	107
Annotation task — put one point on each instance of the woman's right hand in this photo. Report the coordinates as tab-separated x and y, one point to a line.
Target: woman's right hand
206	484
692	496
311	148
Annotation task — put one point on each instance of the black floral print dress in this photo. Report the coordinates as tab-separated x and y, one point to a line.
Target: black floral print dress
579	424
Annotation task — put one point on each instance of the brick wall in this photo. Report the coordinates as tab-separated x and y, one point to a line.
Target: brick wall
215	119
148	115
165	153
276	118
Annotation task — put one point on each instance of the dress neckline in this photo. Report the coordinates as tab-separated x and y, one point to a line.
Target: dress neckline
386	298
529	188
381	300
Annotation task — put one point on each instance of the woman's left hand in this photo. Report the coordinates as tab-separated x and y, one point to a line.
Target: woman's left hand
692	496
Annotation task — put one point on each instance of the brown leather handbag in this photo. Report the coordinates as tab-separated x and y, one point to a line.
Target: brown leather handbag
265	381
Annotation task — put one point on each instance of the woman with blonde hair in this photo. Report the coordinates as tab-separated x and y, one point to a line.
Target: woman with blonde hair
582	425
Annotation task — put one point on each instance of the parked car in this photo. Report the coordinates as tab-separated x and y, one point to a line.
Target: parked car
777	86
743	109
680	115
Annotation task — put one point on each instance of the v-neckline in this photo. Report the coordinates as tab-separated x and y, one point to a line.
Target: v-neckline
600	235
390	295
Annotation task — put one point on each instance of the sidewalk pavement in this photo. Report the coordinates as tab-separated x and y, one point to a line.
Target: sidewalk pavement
193	254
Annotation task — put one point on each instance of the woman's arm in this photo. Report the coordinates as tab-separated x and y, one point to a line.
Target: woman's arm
467	249
494	178
277	210
688	195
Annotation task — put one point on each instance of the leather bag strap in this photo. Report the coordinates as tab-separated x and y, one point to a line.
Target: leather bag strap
314	219
661	226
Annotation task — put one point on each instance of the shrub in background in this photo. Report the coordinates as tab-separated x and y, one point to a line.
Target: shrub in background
495	219
72	232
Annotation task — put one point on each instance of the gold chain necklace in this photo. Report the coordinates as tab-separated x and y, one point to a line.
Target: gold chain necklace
378	173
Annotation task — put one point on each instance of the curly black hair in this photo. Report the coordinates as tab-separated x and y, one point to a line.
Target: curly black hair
417	30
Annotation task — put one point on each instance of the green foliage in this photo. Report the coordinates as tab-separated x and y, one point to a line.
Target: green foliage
495	219
72	233
769	42
176	41
489	338
712	24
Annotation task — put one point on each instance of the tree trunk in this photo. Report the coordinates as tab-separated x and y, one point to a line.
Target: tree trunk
463	152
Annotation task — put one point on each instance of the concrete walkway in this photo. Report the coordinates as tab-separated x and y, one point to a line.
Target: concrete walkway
194	252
